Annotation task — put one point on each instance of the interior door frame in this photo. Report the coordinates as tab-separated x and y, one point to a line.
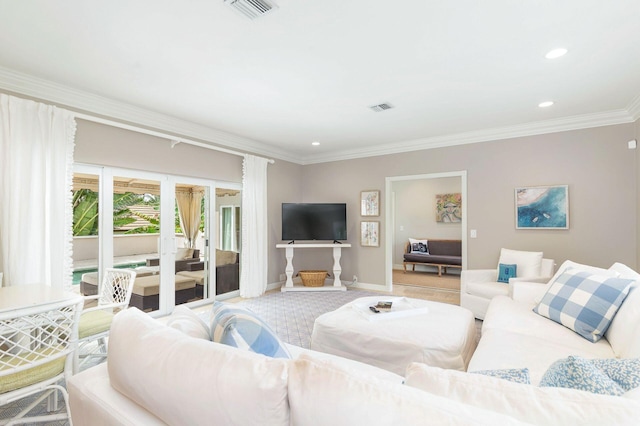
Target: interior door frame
390	217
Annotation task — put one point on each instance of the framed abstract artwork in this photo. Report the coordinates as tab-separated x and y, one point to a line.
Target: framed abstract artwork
370	203
369	234
542	207
449	208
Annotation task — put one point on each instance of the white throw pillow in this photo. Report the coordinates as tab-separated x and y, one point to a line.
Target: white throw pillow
185	320
322	394
528	261
184	253
187	381
418	246
542	406
624	331
624	271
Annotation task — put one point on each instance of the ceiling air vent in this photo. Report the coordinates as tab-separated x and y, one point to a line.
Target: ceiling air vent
381	107
252	9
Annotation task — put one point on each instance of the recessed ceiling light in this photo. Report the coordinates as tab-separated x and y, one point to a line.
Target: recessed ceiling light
556	53
315	143
545	104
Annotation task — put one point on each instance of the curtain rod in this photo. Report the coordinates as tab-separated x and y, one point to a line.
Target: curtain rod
174	140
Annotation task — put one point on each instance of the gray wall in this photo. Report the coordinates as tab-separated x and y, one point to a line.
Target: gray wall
111	146
595	163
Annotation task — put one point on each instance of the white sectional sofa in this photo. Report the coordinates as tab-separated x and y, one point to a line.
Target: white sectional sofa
159	375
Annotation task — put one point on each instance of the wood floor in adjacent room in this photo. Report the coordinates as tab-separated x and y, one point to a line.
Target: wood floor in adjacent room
427	285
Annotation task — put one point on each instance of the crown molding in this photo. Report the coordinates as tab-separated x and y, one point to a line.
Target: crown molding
634	108
486	135
89	103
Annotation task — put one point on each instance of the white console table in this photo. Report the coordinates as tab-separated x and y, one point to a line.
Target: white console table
337	269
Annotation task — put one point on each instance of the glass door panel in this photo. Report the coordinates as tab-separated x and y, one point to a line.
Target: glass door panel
228	224
192	236
86	221
136	236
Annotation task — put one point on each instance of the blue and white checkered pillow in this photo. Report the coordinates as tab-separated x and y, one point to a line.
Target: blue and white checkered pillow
584	302
241	328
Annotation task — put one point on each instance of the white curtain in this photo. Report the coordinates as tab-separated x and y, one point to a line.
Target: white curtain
189	206
253	258
36	172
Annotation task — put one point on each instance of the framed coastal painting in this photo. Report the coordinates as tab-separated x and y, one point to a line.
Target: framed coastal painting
542	207
369	234
370	203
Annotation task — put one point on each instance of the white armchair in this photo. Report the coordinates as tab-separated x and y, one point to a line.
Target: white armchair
479	286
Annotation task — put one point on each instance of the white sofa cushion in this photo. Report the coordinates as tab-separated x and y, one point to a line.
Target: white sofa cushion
95	402
584	302
528	262
509	315
323	394
487	289
624	331
542	406
190	381
500	349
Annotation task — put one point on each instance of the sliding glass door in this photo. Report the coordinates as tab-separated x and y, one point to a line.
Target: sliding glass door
159	225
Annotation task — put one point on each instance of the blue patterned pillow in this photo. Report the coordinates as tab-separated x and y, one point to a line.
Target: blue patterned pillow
516	375
241	328
584	302
505	272
625	372
576	372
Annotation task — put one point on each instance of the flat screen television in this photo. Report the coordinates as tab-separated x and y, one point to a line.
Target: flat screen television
314	221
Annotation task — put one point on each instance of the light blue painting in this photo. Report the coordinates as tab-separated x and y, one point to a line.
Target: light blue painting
542	207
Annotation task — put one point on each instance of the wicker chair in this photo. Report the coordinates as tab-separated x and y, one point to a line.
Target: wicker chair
114	294
37	346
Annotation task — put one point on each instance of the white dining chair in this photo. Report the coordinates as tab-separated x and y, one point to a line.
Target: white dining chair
37	346
114	295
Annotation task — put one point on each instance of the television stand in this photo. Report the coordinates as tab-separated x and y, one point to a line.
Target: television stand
337	269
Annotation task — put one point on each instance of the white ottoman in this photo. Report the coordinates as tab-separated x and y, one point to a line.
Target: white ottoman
437	334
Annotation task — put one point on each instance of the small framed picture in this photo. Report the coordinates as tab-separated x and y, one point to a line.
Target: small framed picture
370	203
370	234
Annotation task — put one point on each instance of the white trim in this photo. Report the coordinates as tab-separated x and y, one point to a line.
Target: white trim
486	135
634	108
79	100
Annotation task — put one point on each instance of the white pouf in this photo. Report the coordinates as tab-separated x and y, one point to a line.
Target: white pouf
437	334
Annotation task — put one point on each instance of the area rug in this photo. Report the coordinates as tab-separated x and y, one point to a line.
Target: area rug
292	314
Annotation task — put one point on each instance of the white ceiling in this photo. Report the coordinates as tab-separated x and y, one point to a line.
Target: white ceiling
456	72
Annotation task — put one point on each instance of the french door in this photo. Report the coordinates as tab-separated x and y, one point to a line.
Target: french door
157	224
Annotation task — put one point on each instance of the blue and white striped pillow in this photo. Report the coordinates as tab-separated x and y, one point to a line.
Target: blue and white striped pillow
241	328
584	302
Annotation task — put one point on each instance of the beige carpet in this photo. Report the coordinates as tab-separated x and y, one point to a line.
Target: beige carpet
449	282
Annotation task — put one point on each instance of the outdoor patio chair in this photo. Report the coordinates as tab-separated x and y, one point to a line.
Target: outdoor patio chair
95	322
37	346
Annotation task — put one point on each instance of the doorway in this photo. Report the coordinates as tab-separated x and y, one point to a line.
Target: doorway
421	211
